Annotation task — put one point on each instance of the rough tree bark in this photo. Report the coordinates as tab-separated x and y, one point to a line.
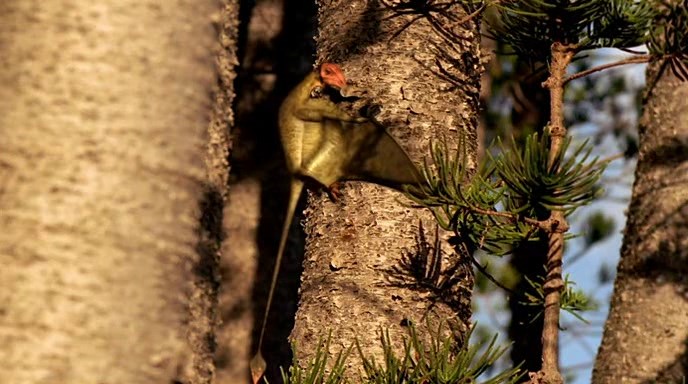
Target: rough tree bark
107	275
353	245
646	335
231	331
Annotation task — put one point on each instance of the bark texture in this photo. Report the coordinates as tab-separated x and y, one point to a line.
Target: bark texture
350	285
103	114
646	335
217	221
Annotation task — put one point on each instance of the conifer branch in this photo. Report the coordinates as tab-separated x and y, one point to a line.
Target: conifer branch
561	54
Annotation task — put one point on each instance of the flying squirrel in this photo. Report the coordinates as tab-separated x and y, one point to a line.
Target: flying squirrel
326	144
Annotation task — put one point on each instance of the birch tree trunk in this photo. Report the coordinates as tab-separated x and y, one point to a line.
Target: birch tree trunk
646	335
107	275
349	285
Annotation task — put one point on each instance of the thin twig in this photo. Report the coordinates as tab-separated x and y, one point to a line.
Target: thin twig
630	60
562	55
472	14
483	270
628	50
546	225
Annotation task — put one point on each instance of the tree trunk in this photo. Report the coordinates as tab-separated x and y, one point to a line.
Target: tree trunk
107	275
646	334
231	332
350	285
526	323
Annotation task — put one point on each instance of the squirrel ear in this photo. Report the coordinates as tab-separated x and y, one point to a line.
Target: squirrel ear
332	75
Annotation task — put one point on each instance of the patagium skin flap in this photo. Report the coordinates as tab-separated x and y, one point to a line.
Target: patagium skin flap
326	144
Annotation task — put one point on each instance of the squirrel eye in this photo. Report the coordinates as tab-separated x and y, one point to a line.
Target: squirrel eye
316	92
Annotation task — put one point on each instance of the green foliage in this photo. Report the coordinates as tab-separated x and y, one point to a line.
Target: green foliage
394	369
437	361
597	228
316	373
572	300
519	181
534	187
670	36
459	207
531	26
622	23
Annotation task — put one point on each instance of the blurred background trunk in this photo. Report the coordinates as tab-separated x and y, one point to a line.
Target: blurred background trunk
107	275
646	334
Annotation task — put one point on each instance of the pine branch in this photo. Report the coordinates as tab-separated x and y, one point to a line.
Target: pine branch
561	57
546	225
